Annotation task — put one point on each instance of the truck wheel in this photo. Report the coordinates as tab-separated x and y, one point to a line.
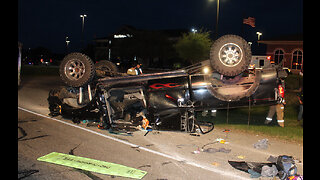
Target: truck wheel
105	68
230	55
77	69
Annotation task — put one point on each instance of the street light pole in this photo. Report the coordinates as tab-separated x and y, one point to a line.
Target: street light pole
82	16
67	44
217	20
259	34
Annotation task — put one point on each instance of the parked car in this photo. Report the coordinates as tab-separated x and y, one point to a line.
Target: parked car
167	99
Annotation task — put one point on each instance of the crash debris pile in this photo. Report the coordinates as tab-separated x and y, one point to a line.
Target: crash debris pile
282	166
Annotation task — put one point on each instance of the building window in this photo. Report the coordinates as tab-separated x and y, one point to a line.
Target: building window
297	60
278	56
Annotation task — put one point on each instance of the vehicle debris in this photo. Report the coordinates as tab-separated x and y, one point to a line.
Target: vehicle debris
253	168
253	174
196	151
148	130
284	168
120	132
227	132
215	164
147	165
218	140
214	150
165	163
222	141
194	134
261	144
267	171
272	159
136	148
241	157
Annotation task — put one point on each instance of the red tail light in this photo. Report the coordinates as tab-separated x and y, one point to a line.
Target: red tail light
269	58
281	90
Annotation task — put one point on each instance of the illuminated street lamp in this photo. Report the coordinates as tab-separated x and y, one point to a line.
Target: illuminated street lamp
67	43
259	34
82	16
194	30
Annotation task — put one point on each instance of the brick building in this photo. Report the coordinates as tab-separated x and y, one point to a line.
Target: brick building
287	50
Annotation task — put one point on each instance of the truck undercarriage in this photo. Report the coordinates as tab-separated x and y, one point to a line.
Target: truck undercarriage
163	100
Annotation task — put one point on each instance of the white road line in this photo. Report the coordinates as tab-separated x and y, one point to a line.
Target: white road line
221	172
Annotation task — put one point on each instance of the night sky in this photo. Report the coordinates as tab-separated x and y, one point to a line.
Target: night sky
47	22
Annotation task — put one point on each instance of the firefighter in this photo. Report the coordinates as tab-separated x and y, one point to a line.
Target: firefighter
138	69
278	108
135	70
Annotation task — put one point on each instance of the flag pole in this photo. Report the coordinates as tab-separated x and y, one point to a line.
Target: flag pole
242	25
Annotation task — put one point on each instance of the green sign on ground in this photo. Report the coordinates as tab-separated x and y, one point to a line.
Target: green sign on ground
92	165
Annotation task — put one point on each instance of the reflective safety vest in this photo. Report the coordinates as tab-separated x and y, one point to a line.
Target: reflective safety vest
138	71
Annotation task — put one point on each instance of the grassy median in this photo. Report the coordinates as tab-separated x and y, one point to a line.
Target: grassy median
238	121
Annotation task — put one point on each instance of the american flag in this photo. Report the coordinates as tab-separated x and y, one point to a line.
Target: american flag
250	21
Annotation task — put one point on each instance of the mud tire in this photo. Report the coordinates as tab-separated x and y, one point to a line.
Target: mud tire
106	68
230	55
77	69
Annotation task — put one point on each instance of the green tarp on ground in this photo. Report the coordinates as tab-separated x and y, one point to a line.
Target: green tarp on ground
92	165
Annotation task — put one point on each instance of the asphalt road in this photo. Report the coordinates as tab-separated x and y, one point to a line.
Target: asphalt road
163	154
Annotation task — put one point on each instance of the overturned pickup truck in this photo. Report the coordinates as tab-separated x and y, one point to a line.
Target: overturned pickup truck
98	92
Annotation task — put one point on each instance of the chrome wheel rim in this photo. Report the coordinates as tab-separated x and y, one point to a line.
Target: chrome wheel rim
230	54
74	69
